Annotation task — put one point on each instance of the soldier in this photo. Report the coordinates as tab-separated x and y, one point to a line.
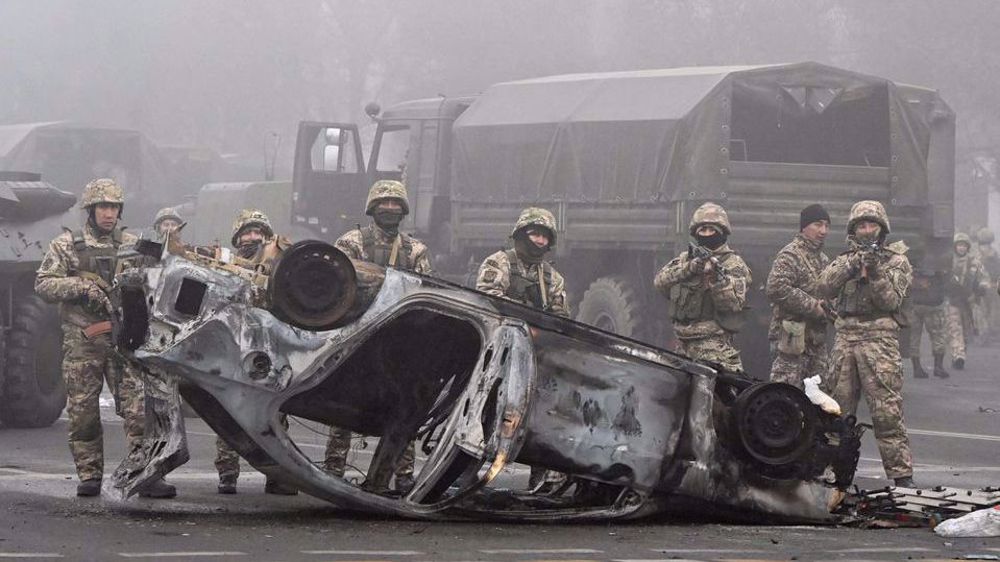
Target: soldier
868	283
253	239
989	304
167	220
926	306
799	316
76	272
381	243
707	289
968	282
523	275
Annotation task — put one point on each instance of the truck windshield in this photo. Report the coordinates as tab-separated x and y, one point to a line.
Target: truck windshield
393	146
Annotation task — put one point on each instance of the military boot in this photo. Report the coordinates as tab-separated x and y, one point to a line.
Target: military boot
958	363
89	488
918	369
158	489
227	484
939	367
905	482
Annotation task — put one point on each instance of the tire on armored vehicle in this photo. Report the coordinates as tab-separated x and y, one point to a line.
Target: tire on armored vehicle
33	390
612	304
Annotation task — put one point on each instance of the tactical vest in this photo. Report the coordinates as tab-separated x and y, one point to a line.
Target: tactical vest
102	262
524	289
379	252
693	303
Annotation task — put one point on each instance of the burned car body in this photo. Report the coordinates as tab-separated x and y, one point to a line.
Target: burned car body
477	381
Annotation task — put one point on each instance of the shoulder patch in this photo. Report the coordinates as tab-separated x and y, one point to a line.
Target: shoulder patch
898	247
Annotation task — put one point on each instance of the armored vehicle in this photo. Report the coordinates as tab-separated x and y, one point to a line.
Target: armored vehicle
32	212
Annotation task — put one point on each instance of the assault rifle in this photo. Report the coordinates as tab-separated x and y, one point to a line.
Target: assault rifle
696	251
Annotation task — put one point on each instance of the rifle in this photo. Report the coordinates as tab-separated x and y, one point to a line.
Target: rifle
696	251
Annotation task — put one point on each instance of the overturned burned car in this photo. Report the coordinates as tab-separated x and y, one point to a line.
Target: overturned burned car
478	382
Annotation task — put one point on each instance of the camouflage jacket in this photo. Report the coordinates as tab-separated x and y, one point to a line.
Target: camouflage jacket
991	261
372	244
969	277
727	295
59	279
792	288
501	273
887	289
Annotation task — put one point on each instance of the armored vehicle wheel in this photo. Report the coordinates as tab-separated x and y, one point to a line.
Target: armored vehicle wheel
611	304
34	393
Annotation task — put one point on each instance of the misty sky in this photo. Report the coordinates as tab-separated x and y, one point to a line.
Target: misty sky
229	74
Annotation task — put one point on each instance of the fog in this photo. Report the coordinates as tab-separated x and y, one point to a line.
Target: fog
237	76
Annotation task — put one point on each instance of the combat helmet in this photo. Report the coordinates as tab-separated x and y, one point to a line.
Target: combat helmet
166	213
868	211
961	237
248	218
387	189
985	236
710	214
536	216
102	190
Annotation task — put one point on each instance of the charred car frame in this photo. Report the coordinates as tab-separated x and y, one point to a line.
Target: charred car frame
478	382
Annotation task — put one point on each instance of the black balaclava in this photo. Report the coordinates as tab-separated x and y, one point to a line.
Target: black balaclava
713	242
388	220
528	250
249	250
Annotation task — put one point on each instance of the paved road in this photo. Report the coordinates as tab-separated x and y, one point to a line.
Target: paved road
955	428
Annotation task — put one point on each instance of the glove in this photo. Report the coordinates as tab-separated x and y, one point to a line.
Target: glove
695	266
96	299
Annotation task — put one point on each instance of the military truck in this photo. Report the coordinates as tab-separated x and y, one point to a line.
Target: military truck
624	158
32	212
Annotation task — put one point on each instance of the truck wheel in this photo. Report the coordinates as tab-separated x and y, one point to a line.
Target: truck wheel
34	393
611	304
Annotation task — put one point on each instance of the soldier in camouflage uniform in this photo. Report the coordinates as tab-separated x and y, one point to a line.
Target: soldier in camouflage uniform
799	316
76	272
381	243
523	275
707	294
868	283
988	308
167	220
969	281
253	239
926	308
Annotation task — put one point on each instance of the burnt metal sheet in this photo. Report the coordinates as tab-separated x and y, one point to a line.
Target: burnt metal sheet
478	382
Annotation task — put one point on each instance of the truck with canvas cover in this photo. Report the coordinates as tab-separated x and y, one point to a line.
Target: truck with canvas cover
623	159
32	212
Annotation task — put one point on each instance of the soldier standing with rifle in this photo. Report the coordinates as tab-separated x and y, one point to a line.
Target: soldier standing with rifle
707	288
381	243
254	240
76	272
927	309
969	281
799	316
523	275
868	283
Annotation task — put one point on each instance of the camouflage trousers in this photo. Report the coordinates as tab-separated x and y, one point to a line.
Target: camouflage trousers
792	369
339	445
227	460
87	365
869	363
959	324
717	349
934	320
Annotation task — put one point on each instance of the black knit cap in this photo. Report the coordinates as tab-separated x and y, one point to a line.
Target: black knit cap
811	214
